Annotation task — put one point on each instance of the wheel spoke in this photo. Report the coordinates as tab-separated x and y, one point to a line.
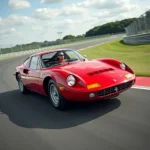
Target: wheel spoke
54	94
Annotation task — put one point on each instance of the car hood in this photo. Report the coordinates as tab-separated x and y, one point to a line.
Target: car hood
96	72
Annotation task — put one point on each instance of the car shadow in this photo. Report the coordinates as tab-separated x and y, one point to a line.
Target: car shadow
35	111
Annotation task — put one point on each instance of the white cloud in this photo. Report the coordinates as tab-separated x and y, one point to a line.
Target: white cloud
84	9
7	31
65	24
0	20
36	28
45	13
15	19
72	10
102	14
105	14
51	1
61	25
102	4
69	21
18	4
51	28
118	6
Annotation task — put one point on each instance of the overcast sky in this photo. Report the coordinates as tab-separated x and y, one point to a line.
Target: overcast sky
25	21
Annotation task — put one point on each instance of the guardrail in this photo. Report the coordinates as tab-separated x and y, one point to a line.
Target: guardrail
137	39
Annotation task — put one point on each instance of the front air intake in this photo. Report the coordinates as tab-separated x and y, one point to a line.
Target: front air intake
99	71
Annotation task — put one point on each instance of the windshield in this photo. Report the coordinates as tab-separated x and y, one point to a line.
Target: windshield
60	57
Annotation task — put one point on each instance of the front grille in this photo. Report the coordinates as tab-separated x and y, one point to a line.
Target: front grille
115	89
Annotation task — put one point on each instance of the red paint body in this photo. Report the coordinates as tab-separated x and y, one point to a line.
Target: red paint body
106	72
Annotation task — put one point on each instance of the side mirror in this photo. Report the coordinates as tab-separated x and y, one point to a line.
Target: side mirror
84	56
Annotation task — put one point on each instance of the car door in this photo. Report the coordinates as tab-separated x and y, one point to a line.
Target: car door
33	75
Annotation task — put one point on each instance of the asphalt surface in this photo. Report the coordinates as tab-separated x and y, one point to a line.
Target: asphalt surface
29	122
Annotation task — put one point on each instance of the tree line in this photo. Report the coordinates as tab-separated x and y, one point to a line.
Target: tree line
109	28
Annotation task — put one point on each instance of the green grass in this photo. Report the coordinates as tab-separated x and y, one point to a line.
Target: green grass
136	56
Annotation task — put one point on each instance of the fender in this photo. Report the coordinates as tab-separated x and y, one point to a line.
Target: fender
115	63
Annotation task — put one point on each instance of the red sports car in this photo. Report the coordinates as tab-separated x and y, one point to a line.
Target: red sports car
74	78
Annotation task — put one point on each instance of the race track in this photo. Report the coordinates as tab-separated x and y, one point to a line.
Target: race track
29	122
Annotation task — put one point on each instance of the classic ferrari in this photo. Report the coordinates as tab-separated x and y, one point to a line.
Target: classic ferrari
64	76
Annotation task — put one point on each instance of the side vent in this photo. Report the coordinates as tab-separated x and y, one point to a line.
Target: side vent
99	71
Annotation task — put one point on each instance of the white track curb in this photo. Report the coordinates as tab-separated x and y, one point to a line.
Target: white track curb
141	87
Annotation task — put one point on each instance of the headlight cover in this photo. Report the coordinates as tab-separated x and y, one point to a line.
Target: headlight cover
71	80
123	66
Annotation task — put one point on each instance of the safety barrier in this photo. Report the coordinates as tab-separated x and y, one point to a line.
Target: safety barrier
137	39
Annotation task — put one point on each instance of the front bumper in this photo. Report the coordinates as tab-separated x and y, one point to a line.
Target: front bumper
77	95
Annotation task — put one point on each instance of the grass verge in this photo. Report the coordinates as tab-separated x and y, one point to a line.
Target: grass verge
136	56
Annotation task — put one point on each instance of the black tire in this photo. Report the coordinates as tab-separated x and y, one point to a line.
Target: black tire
22	88
114	97
57	100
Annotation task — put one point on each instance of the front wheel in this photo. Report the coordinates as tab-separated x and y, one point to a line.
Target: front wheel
56	98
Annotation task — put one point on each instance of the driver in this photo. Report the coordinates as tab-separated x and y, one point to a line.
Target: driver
61	57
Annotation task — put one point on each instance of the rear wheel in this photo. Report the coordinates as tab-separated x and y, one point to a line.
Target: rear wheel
56	98
21	85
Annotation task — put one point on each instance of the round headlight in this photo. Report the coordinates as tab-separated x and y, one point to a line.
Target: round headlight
123	66
71	80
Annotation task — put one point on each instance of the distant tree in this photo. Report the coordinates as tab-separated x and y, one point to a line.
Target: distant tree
80	36
68	37
110	27
58	40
